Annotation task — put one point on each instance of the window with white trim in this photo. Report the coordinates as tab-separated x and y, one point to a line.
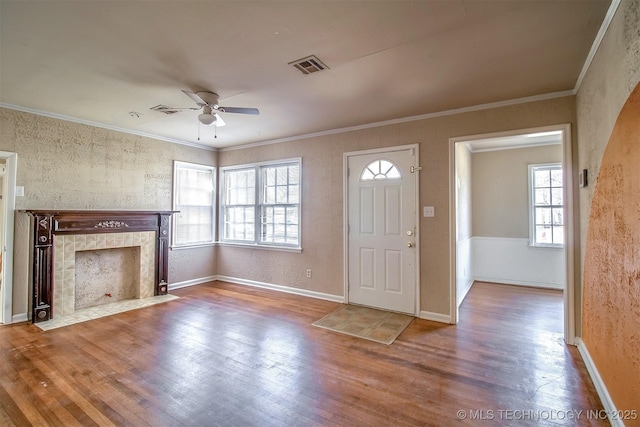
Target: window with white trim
194	197
380	169
546	205
260	204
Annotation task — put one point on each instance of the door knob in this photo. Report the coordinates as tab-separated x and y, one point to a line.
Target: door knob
410	244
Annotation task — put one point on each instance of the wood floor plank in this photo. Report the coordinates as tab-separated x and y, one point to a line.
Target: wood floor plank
231	355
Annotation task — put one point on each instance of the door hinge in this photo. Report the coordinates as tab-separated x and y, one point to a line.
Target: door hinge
414	169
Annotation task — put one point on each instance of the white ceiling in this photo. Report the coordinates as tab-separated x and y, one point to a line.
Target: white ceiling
97	61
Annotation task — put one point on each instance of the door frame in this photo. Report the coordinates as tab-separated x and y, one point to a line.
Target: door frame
569	212
345	204
6	293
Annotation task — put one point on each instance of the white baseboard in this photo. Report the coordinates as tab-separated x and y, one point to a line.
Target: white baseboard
192	282
21	317
435	317
464	293
280	288
519	283
601	388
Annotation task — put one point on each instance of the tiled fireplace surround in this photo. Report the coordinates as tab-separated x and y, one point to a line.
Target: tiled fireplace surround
58	235
64	263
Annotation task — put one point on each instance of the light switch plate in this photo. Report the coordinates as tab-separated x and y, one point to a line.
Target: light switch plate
428	211
19	191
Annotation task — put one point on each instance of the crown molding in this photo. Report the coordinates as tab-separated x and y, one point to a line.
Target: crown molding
102	126
479	107
613	7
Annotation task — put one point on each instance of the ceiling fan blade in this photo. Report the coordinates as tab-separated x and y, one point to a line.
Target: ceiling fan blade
219	121
195	98
240	110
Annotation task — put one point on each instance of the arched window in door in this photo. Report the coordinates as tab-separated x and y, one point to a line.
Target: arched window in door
380	169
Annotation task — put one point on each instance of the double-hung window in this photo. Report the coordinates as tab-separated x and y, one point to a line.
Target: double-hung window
261	204
546	205
194	197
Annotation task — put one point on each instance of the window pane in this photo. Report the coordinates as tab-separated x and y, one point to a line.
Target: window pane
367	175
292	215
542	196
556	196
543	216
281	194
270	195
282	176
557	216
294	175
292	233
541	178
543	234
239	223
558	235
270	176
294	191
556	177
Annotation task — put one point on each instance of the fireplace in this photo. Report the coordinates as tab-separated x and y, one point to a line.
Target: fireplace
58	236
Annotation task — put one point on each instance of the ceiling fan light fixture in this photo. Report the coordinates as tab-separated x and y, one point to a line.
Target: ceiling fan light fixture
207	119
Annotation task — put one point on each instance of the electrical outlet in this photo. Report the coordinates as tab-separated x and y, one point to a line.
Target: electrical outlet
428	211
308	273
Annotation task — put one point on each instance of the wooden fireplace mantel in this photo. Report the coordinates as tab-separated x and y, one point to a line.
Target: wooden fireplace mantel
47	223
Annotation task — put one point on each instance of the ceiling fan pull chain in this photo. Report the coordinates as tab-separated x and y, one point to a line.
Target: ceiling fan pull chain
198	130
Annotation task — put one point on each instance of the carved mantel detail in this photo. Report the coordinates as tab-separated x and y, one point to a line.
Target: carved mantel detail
111	224
48	223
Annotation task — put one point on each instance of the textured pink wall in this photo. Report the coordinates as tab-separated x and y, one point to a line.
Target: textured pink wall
611	295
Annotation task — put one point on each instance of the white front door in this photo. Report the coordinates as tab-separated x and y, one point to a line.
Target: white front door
382	255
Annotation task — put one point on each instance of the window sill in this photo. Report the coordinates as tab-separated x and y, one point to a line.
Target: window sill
539	246
263	247
193	246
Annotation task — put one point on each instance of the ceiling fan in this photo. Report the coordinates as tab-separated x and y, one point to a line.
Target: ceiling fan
208	102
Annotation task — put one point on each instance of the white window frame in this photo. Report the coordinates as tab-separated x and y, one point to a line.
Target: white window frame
532	215
258	204
177	165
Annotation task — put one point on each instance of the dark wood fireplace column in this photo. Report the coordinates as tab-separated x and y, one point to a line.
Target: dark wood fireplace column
46	223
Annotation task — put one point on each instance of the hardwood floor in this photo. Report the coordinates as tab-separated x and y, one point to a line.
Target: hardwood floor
230	355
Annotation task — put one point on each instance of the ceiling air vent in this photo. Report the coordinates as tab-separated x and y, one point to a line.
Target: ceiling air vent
164	109
308	65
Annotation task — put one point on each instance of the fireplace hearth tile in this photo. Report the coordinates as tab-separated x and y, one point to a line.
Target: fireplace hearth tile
97	312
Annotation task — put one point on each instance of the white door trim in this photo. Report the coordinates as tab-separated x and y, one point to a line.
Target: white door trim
6	294
345	214
570	234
